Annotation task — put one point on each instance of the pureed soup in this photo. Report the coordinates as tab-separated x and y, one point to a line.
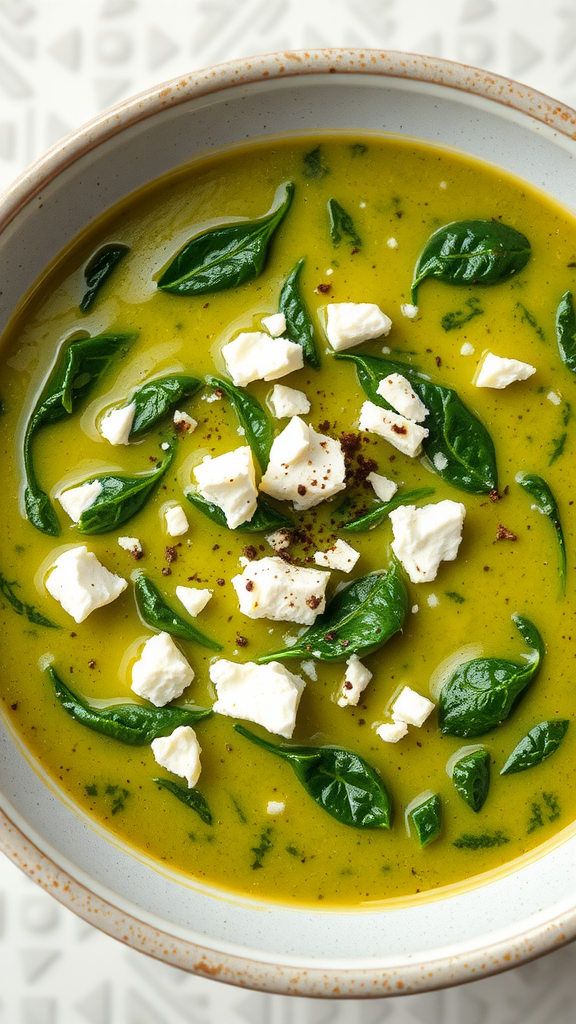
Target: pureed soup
390	785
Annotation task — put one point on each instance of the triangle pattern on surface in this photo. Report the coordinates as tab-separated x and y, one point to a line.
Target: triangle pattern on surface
96	1006
160	48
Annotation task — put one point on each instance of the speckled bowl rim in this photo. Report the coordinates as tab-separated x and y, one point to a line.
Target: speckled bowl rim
447	968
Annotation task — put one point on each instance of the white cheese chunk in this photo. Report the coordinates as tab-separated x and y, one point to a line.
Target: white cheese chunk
184	423
265	694
274	324
132	545
288	402
340	556
350	323
397	391
497	372
391	732
467	349
411	707
279	540
229	481
176	521
254	355
384	488
194	599
406	436
81	583
161	673
554	397
271	589
76	500
179	753
305	467
355	681
424	537
116	425
392	243
275	807
409	311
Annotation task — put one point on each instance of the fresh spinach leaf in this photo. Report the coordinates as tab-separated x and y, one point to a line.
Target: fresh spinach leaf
539	490
374	516
98	270
470	252
266	517
21	607
313	164
483	841
453	321
471	777
225	257
341	223
481	693
253	418
299	326
340	781
158	397
426	819
191	797
536	746
359	619
566	331
121	497
156	612
456	440
129	723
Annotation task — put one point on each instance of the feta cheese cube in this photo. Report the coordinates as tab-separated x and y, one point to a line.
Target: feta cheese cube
384	488
271	589
341	556
309	669
81	583
132	545
350	323
411	707
184	423
355	681
161	673
497	372
424	537
116	425
304	467
265	694
288	402
194	599
554	397
278	541
391	732
275	324
432	601
176	522
76	500
467	349
179	753
439	461
409	311
254	355
275	807
229	481
406	436
397	391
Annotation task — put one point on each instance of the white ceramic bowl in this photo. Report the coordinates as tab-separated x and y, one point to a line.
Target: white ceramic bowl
513	915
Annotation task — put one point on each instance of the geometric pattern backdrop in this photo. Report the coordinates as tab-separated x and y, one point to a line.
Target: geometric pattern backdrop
61	62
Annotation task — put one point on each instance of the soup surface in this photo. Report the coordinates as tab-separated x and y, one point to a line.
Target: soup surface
267	836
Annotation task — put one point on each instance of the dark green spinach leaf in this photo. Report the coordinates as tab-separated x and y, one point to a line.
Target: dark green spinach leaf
98	270
158	397
191	797
121	497
536	746
253	418
566	331
299	326
426	819
266	517
313	164
341	223
539	490
21	607
157	613
374	516
471	777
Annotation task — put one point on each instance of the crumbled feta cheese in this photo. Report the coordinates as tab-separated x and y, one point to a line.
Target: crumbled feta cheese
497	372
275	807
254	355
309	669
411	707
384	488
81	583
350	323
214	396
362	205
439	461
340	556
244	561
76	500
391	243
179	753
194	599
391	732
184	423
443	184
554	397
229	481
424	537
328	272
432	601
405	435
355	681
116	425
415	609
397	391
265	694
409	311
165	446
279	540
161	673
467	349
275	324
132	545
176	521
288	402
271	589
305	467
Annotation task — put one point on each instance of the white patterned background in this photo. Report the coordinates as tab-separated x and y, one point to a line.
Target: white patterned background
61	62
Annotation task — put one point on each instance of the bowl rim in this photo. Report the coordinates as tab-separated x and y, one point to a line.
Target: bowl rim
552	930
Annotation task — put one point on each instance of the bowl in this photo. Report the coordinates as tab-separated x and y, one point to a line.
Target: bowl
499	920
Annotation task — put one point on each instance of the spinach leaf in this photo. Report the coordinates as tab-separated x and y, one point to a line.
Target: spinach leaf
256	422
98	270
121	497
453	321
426	819
472	252
341	223
76	373
158	397
191	797
225	257
358	620
128	723
539	490
340	781
374	516
566	331
481	693
313	164
471	776
158	614
536	746
21	607
266	517
299	326
457	440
